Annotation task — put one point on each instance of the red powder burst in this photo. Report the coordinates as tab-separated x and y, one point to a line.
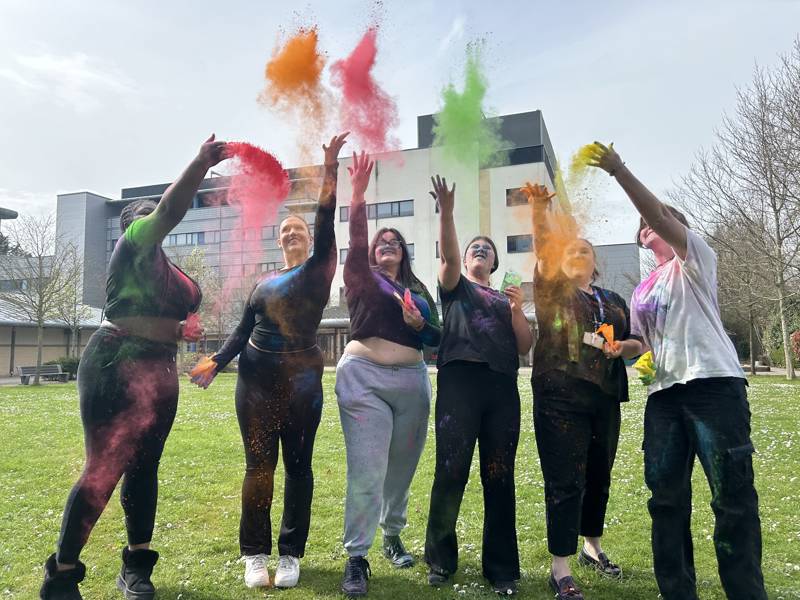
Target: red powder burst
366	109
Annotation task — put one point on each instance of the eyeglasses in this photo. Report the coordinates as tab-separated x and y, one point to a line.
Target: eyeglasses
388	243
484	247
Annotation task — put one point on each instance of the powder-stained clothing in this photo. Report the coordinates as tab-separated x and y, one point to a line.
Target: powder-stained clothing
384	413
143	281
564	313
477	327
128	389
374	309
284	309
675	311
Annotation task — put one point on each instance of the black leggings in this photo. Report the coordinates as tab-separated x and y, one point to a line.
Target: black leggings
278	397
475	404
577	431
128	389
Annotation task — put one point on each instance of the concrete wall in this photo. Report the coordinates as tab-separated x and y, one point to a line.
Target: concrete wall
54	345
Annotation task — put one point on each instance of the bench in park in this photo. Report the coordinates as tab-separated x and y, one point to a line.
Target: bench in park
45	371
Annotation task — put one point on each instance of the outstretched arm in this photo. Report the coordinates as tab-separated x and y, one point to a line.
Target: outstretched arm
652	210
539	197
177	199
324	232
356	266
450	266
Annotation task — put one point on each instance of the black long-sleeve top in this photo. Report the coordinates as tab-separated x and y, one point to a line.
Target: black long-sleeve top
284	309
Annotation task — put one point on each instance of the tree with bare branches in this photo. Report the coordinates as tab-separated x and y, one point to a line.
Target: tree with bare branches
744	193
35	284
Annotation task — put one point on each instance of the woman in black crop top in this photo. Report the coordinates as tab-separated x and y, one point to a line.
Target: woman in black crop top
128	386
477	400
577	390
279	385
382	385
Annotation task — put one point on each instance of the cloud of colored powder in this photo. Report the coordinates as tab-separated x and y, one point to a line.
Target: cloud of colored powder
294	88
461	126
366	109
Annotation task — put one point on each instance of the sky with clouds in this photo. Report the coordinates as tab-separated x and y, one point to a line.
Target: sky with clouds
104	95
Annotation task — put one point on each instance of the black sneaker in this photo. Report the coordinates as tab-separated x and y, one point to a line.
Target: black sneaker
602	565
61	585
565	588
394	550
134	577
356	574
504	588
438	577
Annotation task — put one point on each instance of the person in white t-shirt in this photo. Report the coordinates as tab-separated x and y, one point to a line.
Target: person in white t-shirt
697	405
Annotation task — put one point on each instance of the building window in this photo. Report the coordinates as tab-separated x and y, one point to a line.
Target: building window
191	346
519	243
342	255
437	249
410	251
186	239
271	266
382	210
270	232
344	213
515	197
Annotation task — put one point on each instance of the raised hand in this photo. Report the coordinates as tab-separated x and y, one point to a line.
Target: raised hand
605	157
359	174
538	195
445	198
212	152
333	148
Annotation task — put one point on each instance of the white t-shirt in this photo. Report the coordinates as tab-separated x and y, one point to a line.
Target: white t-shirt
675	312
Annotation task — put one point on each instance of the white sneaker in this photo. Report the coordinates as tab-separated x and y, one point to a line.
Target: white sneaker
256	573
288	571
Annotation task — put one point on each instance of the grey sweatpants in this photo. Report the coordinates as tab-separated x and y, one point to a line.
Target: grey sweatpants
384	412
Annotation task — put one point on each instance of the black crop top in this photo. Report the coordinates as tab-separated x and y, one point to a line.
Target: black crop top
284	309
143	282
374	310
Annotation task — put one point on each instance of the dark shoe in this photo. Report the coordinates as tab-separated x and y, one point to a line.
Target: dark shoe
602	565
61	585
438	577
504	588
394	550
134	577
356	574
565	588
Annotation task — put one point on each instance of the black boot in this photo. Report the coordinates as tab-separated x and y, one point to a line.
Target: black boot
61	585
134	578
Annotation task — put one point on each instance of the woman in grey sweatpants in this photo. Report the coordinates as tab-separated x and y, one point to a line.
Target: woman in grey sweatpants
382	386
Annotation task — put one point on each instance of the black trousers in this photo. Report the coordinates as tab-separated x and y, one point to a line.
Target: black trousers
577	432
710	419
475	404
128	390
278	399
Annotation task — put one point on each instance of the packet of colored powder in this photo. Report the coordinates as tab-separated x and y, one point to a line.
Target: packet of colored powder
511	278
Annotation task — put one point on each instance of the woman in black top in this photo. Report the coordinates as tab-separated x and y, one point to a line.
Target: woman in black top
279	386
382	386
128	386
477	400
578	383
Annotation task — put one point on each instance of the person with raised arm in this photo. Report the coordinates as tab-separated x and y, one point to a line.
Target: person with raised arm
279	384
382	386
128	387
477	401
697	403
579	381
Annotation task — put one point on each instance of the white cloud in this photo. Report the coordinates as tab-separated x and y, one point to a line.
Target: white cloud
456	33
78	81
28	203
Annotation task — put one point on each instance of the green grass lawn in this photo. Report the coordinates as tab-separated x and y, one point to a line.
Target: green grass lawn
202	467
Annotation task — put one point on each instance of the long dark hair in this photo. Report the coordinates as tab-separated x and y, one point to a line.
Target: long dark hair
405	276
